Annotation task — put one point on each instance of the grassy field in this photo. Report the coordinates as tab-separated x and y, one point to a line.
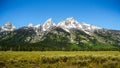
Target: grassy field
60	59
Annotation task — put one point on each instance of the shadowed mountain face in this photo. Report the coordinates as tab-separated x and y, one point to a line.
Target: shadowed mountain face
66	35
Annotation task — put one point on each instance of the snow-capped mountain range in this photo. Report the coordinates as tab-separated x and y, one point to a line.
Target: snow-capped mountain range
68	34
66	24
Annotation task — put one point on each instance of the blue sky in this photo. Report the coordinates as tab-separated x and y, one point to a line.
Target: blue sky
103	13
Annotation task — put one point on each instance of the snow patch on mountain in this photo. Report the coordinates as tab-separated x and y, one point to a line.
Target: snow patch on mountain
69	23
48	24
8	27
30	25
37	26
89	26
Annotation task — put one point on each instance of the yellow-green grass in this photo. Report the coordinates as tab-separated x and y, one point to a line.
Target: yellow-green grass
59	59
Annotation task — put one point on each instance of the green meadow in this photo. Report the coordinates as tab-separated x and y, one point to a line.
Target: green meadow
59	59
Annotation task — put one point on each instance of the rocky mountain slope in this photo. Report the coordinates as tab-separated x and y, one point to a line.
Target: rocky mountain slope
66	35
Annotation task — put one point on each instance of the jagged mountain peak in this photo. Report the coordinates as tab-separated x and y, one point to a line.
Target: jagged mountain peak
48	24
30	25
89	26
8	27
69	23
50	19
8	23
70	18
